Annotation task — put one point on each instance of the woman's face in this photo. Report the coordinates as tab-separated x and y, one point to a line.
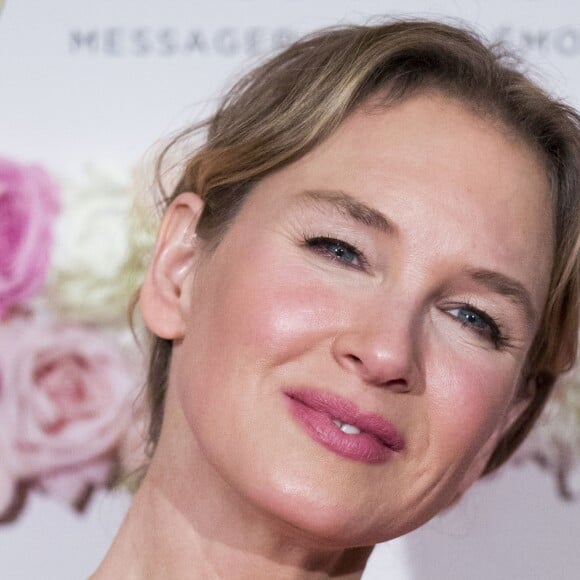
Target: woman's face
347	358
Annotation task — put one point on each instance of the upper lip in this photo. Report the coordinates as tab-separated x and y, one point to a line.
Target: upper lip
347	412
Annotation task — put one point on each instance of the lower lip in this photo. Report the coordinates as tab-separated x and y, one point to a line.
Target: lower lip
320	426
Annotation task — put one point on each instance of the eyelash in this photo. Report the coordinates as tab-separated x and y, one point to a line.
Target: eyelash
322	244
493	333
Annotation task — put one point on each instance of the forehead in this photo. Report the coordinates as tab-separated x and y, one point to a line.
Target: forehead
446	175
433	131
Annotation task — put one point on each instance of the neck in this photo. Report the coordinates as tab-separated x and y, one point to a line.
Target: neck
159	541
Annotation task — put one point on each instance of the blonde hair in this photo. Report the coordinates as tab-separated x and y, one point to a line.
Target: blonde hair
284	108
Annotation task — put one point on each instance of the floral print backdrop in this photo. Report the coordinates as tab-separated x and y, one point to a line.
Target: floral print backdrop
72	417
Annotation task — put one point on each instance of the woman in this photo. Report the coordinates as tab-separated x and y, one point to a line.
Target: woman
364	285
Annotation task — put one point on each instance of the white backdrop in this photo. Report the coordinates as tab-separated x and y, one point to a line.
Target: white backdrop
98	82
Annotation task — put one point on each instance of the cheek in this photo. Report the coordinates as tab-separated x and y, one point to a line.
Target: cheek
273	312
470	397
248	318
251	319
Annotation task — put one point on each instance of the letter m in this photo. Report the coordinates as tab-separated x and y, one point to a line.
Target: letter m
84	41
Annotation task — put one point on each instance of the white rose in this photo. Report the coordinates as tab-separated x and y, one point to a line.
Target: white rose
89	279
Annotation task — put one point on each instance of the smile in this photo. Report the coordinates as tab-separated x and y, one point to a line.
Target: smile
338	425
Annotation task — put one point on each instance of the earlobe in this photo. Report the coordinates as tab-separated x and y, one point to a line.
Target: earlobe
172	263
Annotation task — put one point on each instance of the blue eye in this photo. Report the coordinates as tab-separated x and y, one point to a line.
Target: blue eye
479	322
337	250
470	317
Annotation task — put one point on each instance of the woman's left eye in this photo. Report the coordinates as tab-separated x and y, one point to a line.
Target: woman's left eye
480	322
337	250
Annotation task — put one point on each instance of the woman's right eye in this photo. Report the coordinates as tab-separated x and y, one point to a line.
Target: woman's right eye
337	250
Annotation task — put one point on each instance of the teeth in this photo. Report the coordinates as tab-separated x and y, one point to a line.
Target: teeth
350	429
346	428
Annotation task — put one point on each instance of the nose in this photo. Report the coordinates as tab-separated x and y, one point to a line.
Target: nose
382	351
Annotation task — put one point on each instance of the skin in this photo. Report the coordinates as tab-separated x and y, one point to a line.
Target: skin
237	488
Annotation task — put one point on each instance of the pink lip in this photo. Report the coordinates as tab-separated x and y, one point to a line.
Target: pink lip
316	411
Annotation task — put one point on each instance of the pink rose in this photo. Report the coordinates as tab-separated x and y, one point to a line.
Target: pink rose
28	205
66	403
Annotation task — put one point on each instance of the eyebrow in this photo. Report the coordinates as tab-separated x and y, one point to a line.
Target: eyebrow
351	207
506	286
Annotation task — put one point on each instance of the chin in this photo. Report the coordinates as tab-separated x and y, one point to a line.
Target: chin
318	517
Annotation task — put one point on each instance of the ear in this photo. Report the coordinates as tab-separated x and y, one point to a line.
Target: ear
171	266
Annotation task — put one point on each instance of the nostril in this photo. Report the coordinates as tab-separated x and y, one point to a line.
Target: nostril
354	359
398	385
